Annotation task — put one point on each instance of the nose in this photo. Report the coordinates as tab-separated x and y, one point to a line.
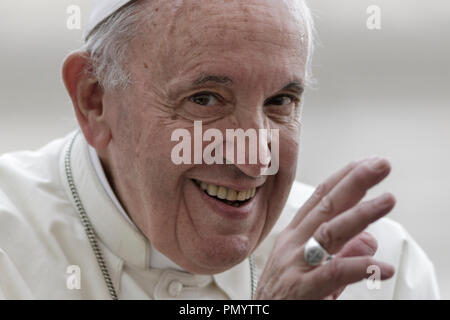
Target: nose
249	149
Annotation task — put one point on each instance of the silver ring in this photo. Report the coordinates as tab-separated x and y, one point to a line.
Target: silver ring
315	254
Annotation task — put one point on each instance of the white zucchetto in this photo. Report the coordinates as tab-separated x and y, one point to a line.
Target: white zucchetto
101	10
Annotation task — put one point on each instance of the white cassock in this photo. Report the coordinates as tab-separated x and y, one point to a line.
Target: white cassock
41	236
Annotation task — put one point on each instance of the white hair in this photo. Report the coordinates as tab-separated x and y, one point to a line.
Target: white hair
311	35
108	44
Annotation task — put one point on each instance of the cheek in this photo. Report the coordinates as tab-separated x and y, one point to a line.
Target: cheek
289	148
146	148
281	183
156	169
160	184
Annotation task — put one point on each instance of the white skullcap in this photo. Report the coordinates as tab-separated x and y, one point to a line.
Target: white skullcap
101	10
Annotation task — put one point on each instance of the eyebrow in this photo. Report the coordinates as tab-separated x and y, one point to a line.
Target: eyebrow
295	86
206	78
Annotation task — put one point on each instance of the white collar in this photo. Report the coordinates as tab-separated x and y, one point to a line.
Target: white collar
157	259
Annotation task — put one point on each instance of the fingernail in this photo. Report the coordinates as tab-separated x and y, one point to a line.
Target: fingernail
388	271
367	159
378	164
385	200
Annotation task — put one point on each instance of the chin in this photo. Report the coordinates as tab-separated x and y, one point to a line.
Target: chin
220	254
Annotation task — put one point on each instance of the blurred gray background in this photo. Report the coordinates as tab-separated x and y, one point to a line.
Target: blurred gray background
384	92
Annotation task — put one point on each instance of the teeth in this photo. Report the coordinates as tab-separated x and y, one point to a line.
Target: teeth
225	193
231	195
241	195
212	190
222	193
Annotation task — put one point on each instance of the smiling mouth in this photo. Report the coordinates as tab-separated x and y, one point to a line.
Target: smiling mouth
226	195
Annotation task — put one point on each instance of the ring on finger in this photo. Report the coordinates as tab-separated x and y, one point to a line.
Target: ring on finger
315	254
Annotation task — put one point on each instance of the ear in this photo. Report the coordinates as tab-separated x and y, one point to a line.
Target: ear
87	99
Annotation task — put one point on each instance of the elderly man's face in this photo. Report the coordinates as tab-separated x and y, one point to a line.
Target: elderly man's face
251	49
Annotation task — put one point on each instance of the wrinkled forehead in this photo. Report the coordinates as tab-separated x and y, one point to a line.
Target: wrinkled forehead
257	17
182	31
191	23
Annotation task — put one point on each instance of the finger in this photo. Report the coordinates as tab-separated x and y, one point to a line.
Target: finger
333	235
347	193
321	191
363	244
340	272
335	295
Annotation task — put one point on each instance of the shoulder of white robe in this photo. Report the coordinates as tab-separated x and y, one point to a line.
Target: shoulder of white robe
415	273
414	277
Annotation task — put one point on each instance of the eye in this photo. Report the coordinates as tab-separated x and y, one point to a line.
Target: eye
204	99
282	100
